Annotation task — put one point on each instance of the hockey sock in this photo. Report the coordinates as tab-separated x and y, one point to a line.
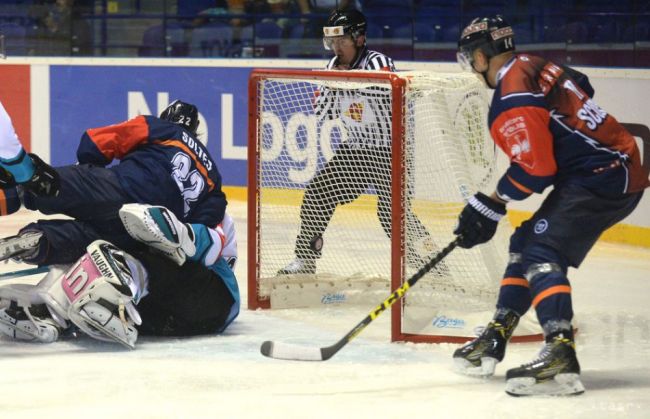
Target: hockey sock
546	272
552	297
9	201
514	292
555	327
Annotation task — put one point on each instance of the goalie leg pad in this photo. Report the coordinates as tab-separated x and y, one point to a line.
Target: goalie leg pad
160	229
99	293
24	316
99	320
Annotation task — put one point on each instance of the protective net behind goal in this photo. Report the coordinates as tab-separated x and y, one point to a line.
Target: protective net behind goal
363	175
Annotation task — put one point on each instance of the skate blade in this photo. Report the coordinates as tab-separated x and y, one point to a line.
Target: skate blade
560	385
15	245
485	370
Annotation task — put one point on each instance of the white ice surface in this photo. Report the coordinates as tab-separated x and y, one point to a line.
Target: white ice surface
226	377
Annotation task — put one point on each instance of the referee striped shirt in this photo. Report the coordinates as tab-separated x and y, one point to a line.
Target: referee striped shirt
372	133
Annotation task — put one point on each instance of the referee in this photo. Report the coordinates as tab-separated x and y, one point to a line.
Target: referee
364	159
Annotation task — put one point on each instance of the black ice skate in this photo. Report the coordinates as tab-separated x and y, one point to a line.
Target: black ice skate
555	372
21	246
479	357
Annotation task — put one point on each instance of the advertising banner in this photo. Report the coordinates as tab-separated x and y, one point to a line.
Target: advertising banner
15	96
85	97
53	100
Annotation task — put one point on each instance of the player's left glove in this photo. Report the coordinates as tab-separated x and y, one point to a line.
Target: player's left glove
478	221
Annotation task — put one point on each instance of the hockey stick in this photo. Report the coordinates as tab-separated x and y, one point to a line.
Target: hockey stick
279	350
24	272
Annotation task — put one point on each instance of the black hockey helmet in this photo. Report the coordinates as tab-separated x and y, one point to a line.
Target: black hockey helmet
492	35
181	113
345	22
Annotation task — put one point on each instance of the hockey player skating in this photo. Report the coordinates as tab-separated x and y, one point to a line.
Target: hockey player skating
555	135
115	296
364	160
161	163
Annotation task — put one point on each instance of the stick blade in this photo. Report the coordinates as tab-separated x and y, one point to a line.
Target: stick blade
279	350
19	273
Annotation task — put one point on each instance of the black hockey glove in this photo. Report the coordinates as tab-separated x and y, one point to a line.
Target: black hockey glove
44	181
478	221
6	179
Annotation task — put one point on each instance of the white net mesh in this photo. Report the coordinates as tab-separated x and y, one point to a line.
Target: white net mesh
325	151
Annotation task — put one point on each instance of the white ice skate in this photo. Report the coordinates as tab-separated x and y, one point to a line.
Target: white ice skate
299	266
20	246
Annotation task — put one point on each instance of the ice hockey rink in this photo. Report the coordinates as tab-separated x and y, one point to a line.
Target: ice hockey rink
226	377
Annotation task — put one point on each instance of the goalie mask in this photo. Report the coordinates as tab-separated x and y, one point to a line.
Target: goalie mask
492	35
181	113
343	24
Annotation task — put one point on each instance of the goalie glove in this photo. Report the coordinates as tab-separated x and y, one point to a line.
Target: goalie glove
478	221
159	228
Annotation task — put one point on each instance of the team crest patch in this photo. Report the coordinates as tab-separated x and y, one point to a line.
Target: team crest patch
541	226
355	111
515	134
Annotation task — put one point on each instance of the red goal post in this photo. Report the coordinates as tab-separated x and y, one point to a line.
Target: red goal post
440	154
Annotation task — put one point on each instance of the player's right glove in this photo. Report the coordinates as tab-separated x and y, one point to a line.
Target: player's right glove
6	179
478	221
45	180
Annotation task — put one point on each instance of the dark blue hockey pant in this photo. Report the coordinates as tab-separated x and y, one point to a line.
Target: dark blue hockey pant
92	196
558	235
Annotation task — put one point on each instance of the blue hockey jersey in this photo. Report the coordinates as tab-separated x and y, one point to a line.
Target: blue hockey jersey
553	132
160	164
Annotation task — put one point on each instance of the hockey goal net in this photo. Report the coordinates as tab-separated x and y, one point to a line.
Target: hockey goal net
402	152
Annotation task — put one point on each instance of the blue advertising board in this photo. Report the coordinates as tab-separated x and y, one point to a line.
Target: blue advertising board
83	97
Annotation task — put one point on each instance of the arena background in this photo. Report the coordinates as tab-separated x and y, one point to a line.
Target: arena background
53	100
